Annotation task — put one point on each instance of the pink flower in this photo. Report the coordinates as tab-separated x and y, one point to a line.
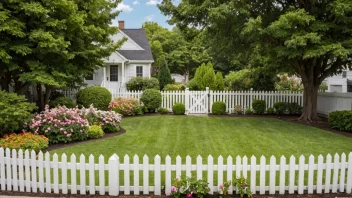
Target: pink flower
49	129
80	131
65	132
61	129
69	135
173	189
221	186
189	195
244	185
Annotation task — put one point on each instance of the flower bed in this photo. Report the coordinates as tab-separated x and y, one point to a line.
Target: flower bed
24	140
126	106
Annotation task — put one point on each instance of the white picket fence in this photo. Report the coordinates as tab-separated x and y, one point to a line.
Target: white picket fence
193	99
38	173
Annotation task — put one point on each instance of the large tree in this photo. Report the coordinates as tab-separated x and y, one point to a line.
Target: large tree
53	44
313	38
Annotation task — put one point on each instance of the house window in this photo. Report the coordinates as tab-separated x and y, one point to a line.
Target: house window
344	74
114	73
90	77
139	70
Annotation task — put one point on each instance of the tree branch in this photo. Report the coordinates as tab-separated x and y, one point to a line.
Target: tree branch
338	63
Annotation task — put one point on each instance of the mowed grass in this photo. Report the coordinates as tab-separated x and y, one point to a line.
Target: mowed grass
203	135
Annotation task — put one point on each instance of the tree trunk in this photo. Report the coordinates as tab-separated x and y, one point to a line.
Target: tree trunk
310	97
47	95
40	95
5	82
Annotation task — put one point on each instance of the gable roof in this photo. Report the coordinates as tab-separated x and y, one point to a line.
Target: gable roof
140	37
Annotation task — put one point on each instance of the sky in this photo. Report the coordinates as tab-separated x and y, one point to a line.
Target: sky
136	12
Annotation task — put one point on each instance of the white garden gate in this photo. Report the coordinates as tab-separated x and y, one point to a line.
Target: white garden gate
197	102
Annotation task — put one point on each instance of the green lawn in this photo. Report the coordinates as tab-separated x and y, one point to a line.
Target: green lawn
202	135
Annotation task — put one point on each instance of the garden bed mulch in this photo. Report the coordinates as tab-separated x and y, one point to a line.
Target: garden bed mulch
330	195
63	145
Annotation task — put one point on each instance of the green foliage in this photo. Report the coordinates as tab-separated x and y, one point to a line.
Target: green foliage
341	120
55	94
174	87
243	187
164	75
62	101
259	106
238	81
287	83
151	99
294	108
193	85
219	81
248	111
189	186
95	132
100	97
270	111
281	107
224	188
205	77
54	43
140	84
24	141
323	86
179	109
163	111
218	108
15	110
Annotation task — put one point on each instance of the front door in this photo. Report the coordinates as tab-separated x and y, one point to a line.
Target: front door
114	77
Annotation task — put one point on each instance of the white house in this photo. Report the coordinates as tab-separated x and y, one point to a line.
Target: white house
134	58
341	82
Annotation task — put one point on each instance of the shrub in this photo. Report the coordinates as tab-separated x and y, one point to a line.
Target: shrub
163	110
270	111
139	84
62	101
218	108
100	97
280	107
55	94
164	75
15	110
294	108
248	111
24	141
151	99
126	106
238	110
193	85
60	124
108	120
179	109
341	120
174	87
259	106
189	186
243	187
95	132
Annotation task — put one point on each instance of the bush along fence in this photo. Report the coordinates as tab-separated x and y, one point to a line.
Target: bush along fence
201	101
38	173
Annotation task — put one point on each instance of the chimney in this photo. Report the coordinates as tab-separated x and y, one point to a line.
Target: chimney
121	25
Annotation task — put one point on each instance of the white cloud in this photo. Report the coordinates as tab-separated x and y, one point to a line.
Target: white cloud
153	2
149	18
124	8
136	3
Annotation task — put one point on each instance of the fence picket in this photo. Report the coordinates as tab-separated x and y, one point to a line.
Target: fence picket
327	174
101	175
2	169
114	187
34	171
91	175
336	173
178	167
188	166
20	170
220	170
168	175
8	169
47	173
14	170
343	169
210	174
272	175
253	173
73	174
40	171
199	167
82	173
136	175
262	175
310	174
320	174
292	175
157	178
126	174
56	173
64	173
282	175
145	175
349	174
301	174
229	173
27	171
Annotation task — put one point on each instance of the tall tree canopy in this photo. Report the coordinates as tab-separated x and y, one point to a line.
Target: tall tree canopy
53	43
183	56
313	38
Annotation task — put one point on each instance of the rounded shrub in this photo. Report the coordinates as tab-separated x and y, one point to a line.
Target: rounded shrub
62	101
100	97
139	83
163	110
270	111
95	131
294	108
126	106
179	109
259	106
280	107
248	111
151	99
193	85
25	140
218	108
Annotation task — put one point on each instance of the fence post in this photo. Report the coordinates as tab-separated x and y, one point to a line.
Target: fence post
187	100
114	169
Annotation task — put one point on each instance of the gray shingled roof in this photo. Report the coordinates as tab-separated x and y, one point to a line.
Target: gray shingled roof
140	37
